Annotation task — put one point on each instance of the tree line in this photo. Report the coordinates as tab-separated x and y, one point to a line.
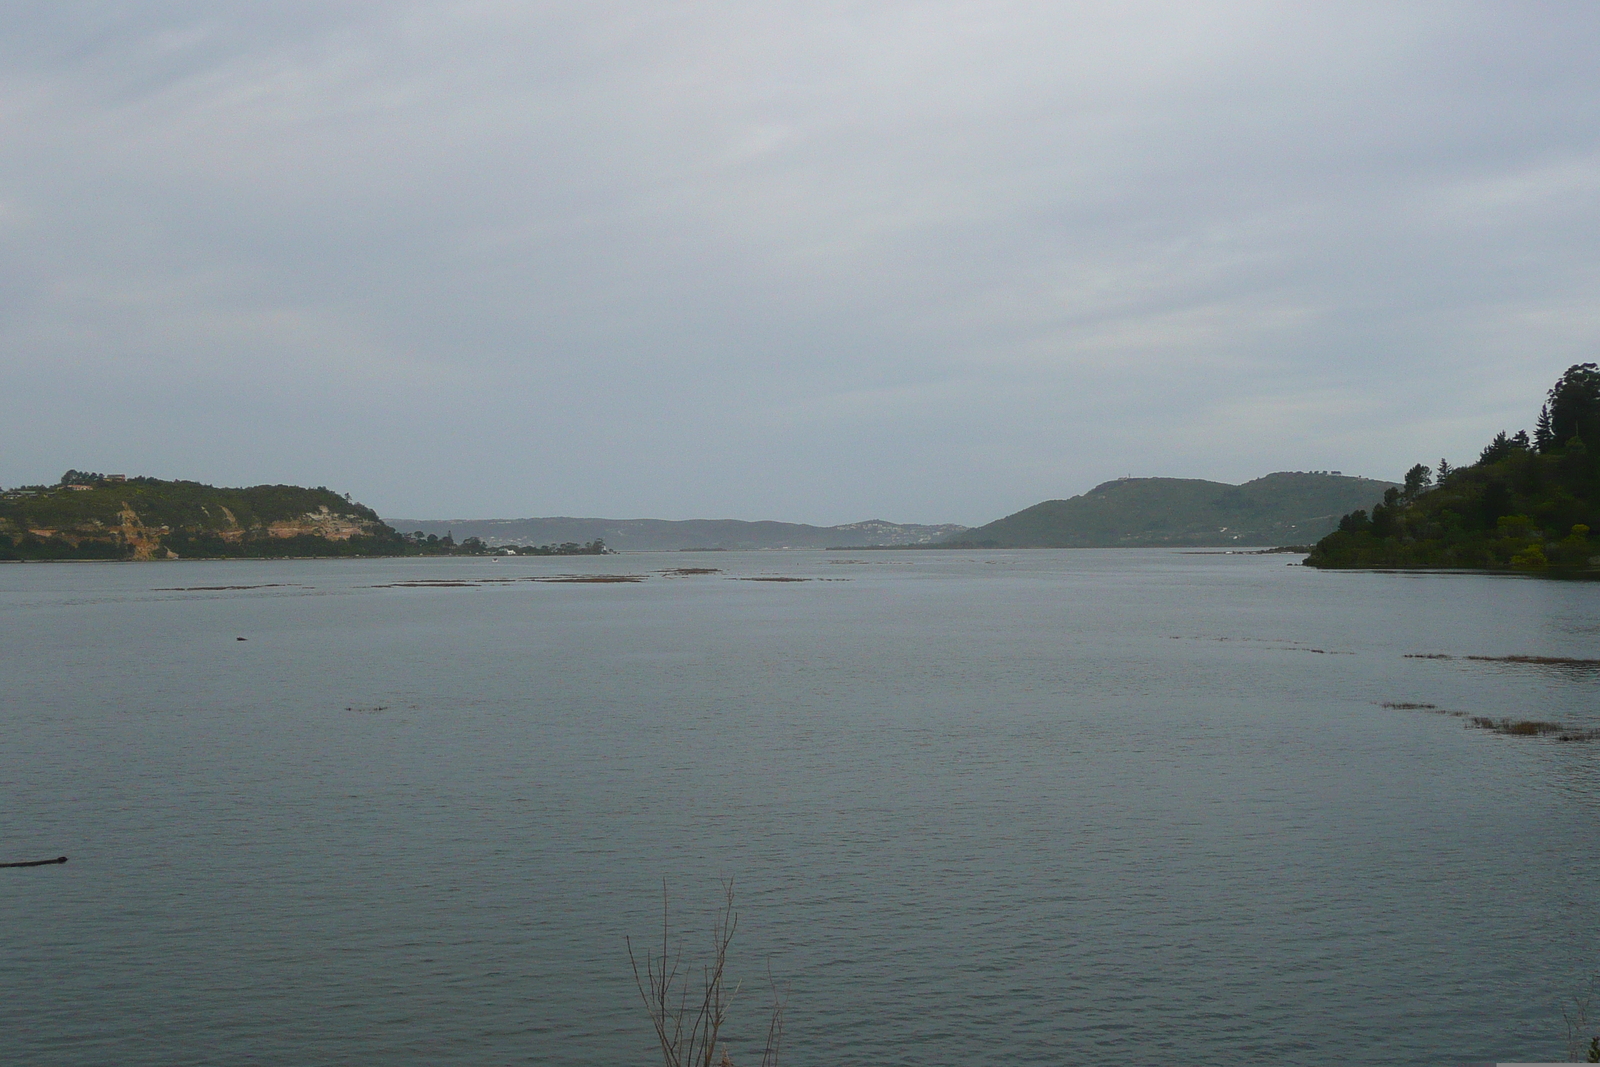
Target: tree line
421	544
1528	502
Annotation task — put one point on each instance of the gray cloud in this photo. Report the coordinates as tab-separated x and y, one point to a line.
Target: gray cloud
817	261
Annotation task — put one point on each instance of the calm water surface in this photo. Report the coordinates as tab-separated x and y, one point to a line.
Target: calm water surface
1034	807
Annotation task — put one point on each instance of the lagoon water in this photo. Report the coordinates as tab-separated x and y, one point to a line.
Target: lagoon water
1009	807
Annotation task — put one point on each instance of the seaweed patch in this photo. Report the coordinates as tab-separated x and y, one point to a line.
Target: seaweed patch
1533	728
1506	727
222	588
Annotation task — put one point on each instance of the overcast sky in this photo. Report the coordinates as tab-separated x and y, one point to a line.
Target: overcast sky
808	261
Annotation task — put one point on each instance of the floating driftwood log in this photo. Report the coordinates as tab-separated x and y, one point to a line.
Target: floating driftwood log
36	863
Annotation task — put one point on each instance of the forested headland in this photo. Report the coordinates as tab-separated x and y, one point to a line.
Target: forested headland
91	516
1529	503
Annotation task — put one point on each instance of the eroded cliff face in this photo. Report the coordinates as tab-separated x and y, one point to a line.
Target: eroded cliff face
92	516
228	527
325	524
142	541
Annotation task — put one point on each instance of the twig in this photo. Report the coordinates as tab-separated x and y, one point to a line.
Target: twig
690	1032
1577	1021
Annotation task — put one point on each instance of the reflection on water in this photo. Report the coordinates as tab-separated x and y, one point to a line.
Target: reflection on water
1031	807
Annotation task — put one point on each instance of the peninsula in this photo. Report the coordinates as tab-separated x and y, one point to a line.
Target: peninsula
112	517
89	516
1528	503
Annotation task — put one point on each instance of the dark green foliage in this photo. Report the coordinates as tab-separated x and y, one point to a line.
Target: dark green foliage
28	546
1544	438
1516	508
596	547
173	504
1417	479
1574	405
1498	449
1356	522
421	544
1385	516
1495	501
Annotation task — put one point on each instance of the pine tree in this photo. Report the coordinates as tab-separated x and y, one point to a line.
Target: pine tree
1418	478
1496	450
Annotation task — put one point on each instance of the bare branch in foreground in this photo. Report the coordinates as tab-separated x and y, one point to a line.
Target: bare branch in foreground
689	1027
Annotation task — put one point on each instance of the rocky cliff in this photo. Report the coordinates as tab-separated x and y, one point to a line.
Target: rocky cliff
91	516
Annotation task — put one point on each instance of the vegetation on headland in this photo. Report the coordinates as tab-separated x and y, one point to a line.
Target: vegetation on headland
1505	725
1528	503
421	544
89	516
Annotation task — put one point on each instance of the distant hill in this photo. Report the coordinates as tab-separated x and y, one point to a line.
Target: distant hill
1289	507
643	535
1529	503
94	516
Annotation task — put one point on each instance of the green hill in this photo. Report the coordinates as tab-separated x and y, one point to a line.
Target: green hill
1285	508
92	516
1527	504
